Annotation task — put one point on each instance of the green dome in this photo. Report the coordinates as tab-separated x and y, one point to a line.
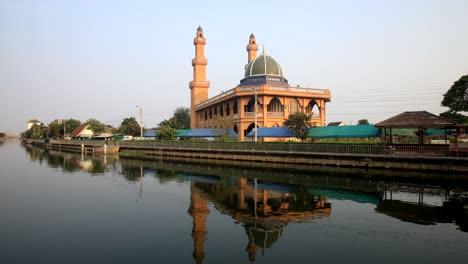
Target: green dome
263	65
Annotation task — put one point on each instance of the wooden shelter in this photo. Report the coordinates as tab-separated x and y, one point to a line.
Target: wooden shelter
420	120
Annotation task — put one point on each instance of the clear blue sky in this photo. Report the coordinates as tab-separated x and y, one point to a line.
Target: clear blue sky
99	59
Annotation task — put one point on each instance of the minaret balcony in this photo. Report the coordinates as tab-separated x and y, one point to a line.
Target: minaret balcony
199	61
199	40
199	84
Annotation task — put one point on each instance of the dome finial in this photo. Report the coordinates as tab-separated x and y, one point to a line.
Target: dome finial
263	51
199	28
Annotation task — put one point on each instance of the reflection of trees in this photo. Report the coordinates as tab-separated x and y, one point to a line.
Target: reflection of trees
165	175
131	173
456	209
67	162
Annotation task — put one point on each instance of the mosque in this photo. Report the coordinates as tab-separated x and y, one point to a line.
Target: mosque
263	88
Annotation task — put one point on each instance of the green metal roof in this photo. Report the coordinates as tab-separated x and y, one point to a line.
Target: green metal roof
263	65
182	132
344	132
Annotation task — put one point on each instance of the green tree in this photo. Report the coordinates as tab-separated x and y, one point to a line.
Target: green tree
180	119
129	126
56	127
299	123
2	135
363	122
456	117
167	133
96	126
456	98
35	132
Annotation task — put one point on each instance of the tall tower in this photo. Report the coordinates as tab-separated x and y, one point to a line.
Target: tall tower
199	85
252	49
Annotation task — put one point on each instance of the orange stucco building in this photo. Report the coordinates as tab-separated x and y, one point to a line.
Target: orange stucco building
263	80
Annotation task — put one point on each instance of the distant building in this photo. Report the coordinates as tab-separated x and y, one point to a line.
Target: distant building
82	131
264	80
336	124
33	122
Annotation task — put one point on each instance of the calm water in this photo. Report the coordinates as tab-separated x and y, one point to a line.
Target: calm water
65	208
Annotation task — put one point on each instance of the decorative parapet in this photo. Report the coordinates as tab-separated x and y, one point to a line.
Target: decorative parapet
215	98
299	90
249	88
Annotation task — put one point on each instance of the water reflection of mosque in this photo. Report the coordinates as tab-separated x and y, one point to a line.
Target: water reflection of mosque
263	209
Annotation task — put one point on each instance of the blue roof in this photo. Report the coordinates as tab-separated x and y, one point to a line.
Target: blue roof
344	132
273	132
150	133
209	133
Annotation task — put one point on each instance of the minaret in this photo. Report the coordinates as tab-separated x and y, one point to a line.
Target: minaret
252	49
199	85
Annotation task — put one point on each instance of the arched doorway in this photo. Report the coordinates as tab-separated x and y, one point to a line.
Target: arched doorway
249	128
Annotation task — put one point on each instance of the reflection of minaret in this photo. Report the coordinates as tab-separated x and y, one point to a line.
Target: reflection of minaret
199	211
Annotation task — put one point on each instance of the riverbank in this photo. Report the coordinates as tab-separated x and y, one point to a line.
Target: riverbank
249	153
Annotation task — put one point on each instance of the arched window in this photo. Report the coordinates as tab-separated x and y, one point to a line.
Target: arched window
294	106
312	108
228	109
249	107
221	110
235	108
275	106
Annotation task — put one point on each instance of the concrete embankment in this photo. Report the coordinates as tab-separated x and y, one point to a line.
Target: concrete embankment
364	161
86	147
411	163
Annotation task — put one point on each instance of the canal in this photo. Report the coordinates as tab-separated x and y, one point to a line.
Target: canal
68	208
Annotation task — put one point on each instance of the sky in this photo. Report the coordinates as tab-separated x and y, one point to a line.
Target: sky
101	59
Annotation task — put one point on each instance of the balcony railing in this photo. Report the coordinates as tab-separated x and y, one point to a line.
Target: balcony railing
252	114
275	114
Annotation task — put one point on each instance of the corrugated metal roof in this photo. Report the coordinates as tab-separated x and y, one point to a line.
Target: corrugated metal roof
182	132
150	133
344	132
415	119
209	133
273	132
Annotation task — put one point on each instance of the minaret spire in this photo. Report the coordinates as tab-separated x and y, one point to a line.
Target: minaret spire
199	85
252	48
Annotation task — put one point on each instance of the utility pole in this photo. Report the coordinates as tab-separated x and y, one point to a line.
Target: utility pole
255	114
141	121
